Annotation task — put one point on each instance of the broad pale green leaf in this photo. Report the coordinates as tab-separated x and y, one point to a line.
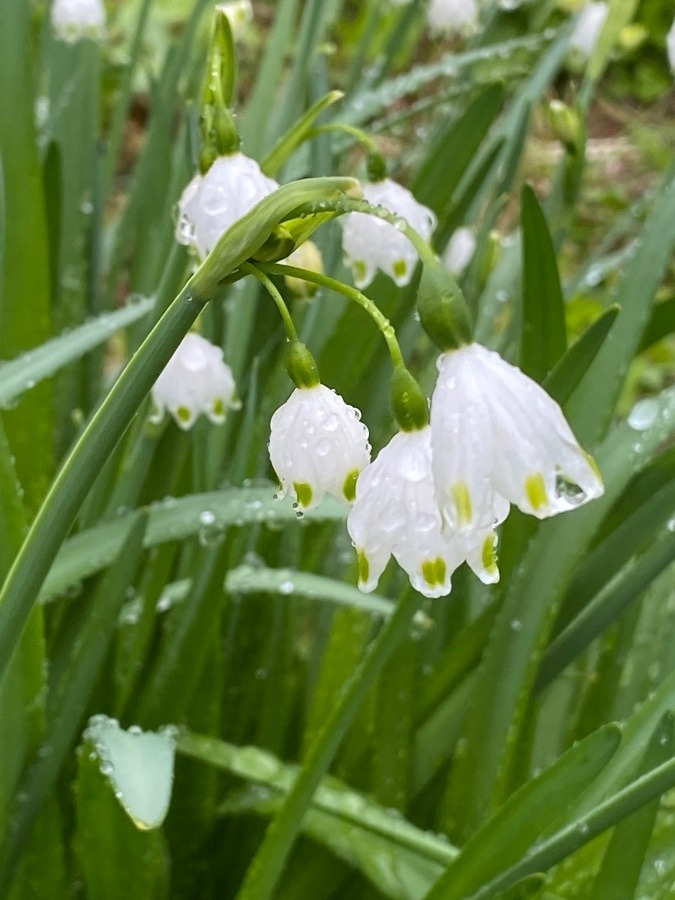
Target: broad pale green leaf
24	372
139	766
543	336
298	133
174	520
115	858
525	816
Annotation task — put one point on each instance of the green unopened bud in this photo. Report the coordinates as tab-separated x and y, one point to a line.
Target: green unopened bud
408	402
567	125
306	256
442	307
278	245
222	63
301	366
376	166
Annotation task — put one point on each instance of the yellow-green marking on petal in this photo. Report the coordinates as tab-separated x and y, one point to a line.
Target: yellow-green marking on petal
183	413
359	270
400	268
434	571
594	466
489	556
219	407
349	487
303	492
363	566
535	489
462	498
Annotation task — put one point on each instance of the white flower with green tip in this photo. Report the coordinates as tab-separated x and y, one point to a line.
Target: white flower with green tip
213	202
239	14
75	19
452	15
318	445
195	380
370	244
498	438
459	250
589	25
395	514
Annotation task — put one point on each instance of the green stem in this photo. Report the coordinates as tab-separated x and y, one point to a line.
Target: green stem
268	863
332	284
80	469
352	130
275	295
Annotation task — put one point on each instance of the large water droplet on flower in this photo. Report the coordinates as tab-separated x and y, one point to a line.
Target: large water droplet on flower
569	491
644	414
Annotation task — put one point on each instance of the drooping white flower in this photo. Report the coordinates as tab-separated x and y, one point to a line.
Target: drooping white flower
370	243
498	438
75	19
195	380
459	250
589	25
213	202
670	46
318	445
239	14
395	514
452	15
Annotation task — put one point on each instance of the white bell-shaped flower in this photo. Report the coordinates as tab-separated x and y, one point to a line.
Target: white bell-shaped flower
75	19
452	15
239	14
318	445
213	202
670	47
195	380
589	25
459	250
498	438
395	514
370	243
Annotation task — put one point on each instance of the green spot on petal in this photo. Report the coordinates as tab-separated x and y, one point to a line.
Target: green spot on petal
489	556
183	413
303	492
535	490
434	571
359	270
462	498
349	487
400	268
218	407
363	566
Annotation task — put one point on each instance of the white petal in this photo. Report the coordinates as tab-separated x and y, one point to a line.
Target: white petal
452	15
370	243
459	251
195	380
212	203
317	441
670	47
589	25
75	19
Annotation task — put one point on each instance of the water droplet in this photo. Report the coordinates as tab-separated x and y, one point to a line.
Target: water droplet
516	625
286	587
644	414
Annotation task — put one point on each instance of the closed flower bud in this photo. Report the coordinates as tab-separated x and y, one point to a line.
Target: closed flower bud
75	19
498	438
213	202
370	243
195	380
306	256
318	445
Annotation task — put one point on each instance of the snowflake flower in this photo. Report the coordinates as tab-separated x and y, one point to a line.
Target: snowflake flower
452	15
589	25
213	202
459	250
239	14
195	380
75	19
318	445
370	243
498	438
395	514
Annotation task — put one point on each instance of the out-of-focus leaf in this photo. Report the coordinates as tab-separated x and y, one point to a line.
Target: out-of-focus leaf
660	325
